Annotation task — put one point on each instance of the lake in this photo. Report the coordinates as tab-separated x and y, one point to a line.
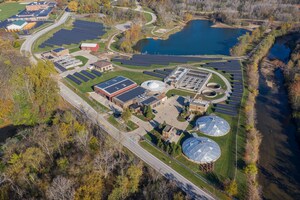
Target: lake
196	38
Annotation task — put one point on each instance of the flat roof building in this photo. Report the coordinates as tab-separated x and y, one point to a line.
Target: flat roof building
201	150
17	25
129	97
114	87
212	125
60	52
198	106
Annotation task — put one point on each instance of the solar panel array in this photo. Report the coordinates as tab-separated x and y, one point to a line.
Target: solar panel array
82	30
59	67
146	60
162	72
162	76
75	80
97	73
232	105
85	79
88	74
131	94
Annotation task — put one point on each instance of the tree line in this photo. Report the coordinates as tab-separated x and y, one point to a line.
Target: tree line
253	136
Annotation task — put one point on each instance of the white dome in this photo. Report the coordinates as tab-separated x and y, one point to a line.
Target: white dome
154	85
213	125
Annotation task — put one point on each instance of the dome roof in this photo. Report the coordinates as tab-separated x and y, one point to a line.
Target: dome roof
201	149
154	85
213	125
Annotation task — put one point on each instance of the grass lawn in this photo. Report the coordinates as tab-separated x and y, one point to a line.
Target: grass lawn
9	9
180	93
148	17
138	77
216	79
182	170
130	126
83	59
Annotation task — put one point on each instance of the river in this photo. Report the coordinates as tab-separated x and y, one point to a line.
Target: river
279	153
196	38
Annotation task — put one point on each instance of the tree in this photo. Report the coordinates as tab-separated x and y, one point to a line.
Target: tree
126	115
251	169
91	188
187	17
148	112
61	188
73	6
231	188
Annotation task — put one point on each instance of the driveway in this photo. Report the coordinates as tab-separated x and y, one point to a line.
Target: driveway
169	112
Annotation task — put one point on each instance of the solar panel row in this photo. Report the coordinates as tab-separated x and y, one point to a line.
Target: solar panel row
88	74
85	79
59	67
75	80
155	74
97	73
161	72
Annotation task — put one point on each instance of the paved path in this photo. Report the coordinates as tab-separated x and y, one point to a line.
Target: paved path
132	144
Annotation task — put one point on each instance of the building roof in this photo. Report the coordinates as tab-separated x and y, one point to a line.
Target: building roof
58	49
131	94
212	125
149	101
115	84
201	149
37	3
19	22
89	45
101	63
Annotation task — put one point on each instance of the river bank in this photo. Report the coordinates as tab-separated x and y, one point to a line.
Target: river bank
279	162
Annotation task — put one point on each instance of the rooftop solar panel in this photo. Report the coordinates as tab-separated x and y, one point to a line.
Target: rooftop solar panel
119	86
110	82
131	94
149	101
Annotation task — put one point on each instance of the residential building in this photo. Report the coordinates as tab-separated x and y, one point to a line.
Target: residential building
103	66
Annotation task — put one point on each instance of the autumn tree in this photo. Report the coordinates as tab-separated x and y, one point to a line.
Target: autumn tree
73	6
91	187
126	114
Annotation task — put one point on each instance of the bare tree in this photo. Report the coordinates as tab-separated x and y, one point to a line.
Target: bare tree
61	188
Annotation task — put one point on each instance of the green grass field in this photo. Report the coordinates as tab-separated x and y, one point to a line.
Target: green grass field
9	9
180	93
83	59
138	77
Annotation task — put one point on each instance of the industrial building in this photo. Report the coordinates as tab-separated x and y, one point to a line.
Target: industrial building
35	11
17	25
212	125
114	87
198	106
89	46
188	79
129	97
60	52
201	150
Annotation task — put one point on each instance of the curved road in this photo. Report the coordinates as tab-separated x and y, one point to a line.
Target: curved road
26	48
125	139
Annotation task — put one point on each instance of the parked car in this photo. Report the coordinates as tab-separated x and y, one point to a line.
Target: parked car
154	111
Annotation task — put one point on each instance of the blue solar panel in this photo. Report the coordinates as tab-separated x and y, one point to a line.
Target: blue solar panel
85	79
97	73
230	113
155	74
110	82
131	94
148	101
119	86
91	76
75	80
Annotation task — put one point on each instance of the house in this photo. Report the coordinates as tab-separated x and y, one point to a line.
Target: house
60	52
89	46
17	25
103	65
199	106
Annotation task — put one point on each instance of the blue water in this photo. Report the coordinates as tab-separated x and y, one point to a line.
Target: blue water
196	38
280	51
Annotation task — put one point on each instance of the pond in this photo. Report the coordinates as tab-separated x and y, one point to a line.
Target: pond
196	38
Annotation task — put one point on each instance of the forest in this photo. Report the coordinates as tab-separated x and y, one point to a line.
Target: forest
58	153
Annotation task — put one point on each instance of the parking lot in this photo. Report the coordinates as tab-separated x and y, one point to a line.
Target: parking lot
170	111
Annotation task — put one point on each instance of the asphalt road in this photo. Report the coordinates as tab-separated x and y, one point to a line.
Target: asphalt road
132	144
27	45
125	139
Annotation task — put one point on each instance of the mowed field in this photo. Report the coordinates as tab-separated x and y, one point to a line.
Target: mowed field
9	9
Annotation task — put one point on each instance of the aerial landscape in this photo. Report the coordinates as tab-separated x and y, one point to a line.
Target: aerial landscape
150	99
